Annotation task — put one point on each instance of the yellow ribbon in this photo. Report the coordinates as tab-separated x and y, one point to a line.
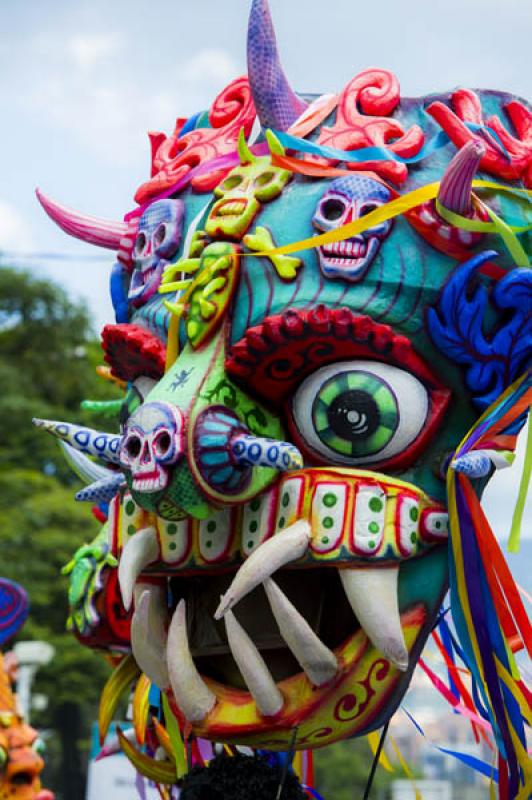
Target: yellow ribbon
400	205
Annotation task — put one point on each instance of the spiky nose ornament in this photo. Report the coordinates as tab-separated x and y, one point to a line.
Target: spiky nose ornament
333	366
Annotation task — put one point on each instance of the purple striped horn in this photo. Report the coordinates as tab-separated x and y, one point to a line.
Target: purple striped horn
276	104
456	184
102	232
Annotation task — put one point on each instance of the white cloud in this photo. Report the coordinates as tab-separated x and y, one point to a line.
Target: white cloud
14	230
88	50
208	66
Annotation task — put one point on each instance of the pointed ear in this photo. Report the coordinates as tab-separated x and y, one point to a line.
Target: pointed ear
244	153
274	144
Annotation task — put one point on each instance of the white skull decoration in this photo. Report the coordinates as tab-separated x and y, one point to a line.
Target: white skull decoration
347	199
156	243
152	442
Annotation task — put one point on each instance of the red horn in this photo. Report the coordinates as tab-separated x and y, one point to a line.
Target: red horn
102	232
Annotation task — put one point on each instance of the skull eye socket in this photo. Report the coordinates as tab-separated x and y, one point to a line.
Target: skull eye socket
231	182
163	443
160	235
140	243
367	208
133	446
332	209
265	178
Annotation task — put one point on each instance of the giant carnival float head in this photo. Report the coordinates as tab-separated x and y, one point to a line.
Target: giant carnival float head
322	330
21	748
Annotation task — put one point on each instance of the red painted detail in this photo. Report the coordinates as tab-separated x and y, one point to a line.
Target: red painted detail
174	157
118	619
277	354
454	242
466	107
132	351
362	120
98	515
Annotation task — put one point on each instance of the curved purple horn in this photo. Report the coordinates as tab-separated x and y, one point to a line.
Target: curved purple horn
102	232
276	104
456	184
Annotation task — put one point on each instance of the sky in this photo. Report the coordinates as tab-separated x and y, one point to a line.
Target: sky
82	81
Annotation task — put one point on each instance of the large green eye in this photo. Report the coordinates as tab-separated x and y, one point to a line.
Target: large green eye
360	412
355	413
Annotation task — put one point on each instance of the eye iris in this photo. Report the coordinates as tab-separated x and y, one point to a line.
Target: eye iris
355	413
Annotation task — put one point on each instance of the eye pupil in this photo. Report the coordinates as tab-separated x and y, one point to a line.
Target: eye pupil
367	209
355	413
140	243
333	209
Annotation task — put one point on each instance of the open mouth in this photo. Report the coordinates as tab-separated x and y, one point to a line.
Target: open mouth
248	648
143	281
350	255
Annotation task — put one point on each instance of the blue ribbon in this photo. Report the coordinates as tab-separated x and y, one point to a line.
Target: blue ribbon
470	761
379	153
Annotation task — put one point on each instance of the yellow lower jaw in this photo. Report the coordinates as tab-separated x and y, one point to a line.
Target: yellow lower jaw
345	707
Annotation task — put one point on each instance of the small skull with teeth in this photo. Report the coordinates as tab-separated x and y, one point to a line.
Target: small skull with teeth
157	242
152	442
346	200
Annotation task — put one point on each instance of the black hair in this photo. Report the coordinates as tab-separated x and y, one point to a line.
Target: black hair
239	777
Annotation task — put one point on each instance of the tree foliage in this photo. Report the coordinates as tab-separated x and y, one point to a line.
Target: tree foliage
48	355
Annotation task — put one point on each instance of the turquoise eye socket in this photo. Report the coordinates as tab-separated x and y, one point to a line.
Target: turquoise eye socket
360	412
355	413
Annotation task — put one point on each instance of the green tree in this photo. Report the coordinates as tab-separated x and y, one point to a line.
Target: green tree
342	770
48	355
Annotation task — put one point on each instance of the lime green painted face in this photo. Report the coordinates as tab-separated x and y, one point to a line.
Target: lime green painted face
241	194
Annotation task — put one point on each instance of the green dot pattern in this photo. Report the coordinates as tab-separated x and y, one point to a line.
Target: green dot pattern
130	507
376	504
131	530
373	527
171	529
327	522
414	514
211	526
329	499
253	525
285	500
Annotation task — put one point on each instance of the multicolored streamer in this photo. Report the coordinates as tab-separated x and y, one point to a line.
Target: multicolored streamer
486	606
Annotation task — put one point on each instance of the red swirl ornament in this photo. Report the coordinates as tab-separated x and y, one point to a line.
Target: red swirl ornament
174	157
362	120
352	705
466	107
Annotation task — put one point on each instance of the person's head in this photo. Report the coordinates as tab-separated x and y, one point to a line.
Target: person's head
239	778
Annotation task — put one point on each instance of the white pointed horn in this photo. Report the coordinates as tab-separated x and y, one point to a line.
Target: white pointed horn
372	594
88	471
101	232
317	661
253	669
101	491
191	693
281	549
148	633
86	440
142	549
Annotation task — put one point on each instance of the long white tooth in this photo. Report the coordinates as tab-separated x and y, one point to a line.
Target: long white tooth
372	594
274	553
256	674
318	662
141	550
148	634
191	693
